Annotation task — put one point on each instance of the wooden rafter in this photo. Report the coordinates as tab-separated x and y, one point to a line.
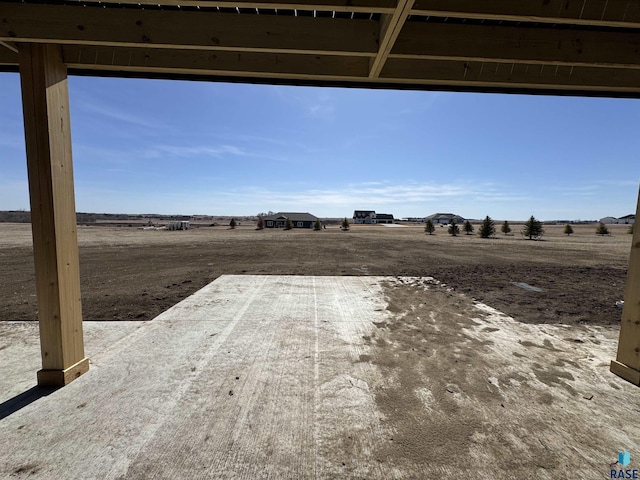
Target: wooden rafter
205	30
8	56
527	45
8	46
398	71
519	45
197	62
499	75
355	6
609	13
390	26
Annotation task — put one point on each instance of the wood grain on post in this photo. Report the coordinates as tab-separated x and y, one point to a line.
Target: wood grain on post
627	362
45	100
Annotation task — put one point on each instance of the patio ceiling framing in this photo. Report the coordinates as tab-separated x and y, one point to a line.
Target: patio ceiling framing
585	47
565	47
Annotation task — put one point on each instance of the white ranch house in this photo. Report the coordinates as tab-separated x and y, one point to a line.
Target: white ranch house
444	218
626	220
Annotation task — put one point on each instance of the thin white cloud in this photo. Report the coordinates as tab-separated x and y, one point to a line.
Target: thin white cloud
622	183
364	195
470	200
321	110
421	102
196	151
285	142
314	103
93	154
90	106
255	138
599	187
84	154
213	151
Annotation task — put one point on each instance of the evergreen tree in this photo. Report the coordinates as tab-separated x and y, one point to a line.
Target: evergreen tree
260	223
317	225
533	228
488	228
468	228
505	228
232	223
602	229
288	225
453	228
568	229
345	224
429	228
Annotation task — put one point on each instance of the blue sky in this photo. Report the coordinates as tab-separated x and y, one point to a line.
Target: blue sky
152	146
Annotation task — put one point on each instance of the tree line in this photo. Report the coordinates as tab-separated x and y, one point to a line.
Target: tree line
532	228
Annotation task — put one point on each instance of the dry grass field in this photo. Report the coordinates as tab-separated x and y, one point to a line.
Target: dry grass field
132	274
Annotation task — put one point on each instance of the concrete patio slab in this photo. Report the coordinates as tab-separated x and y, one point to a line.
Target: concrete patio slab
248	378
290	377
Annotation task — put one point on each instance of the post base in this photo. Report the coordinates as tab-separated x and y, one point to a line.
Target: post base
625	372
60	378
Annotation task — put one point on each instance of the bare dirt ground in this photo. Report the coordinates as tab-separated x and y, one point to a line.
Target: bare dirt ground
131	274
517	400
439	385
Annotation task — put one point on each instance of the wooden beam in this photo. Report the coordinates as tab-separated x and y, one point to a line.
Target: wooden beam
9	46
196	30
627	362
477	76
390	26
606	13
518	45
356	6
45	100
8	56
511	76
213	63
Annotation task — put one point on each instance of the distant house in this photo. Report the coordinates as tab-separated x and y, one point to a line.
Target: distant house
627	219
609	220
363	216
371	217
382	218
298	220
444	218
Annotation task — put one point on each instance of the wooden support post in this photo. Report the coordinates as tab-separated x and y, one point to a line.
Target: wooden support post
627	362
45	101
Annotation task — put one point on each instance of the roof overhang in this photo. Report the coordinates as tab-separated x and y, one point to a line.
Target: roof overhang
587	48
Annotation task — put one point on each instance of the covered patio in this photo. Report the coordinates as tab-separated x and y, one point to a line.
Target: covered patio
555	47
